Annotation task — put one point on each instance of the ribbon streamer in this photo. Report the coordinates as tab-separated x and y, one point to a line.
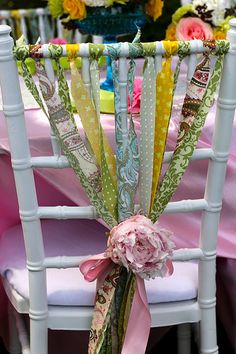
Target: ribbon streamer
147	132
164	97
139	321
127	155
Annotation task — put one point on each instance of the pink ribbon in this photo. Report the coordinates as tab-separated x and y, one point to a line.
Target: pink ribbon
139	323
137	333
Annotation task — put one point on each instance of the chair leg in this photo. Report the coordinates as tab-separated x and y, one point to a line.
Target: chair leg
38	336
184	338
14	343
208	340
23	334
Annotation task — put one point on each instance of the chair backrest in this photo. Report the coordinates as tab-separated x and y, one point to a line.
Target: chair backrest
32	23
23	163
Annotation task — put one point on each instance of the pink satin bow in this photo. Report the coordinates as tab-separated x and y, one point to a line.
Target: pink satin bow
137	333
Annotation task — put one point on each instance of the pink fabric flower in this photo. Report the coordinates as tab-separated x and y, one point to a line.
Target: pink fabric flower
57	41
141	247
136	97
193	28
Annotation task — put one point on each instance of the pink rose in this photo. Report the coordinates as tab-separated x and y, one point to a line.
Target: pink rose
141	247
57	41
193	28
136	97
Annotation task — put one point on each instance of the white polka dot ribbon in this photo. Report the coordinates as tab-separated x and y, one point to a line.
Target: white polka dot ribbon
147	133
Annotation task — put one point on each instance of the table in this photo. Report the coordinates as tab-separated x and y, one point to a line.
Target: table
185	226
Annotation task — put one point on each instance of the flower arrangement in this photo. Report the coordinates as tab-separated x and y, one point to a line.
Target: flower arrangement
77	9
202	19
142	247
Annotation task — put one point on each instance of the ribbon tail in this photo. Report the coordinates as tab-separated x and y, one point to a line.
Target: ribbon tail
139	323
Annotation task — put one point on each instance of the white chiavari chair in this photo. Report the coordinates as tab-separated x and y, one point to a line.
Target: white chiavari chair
196	300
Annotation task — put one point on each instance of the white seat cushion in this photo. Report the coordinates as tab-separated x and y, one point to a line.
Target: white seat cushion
67	286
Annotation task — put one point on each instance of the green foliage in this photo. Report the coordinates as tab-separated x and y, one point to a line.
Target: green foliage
155	31
151	31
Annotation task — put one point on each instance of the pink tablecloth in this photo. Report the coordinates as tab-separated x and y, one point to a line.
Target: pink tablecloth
185	226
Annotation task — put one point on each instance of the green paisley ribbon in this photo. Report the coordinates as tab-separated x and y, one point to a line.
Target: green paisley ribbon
55	52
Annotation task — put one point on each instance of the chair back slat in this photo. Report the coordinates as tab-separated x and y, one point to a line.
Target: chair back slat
59	28
86	73
158	63
24	27
191	66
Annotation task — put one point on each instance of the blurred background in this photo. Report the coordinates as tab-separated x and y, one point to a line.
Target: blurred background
151	31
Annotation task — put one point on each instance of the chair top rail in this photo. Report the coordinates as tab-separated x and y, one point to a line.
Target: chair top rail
196	46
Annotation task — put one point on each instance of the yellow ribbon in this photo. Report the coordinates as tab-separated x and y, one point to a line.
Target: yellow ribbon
96	137
15	14
164	96
107	101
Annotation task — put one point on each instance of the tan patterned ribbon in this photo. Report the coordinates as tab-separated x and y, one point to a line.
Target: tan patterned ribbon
79	157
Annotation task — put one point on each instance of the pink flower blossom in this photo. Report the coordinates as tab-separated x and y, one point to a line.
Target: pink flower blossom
142	247
193	28
57	41
136	97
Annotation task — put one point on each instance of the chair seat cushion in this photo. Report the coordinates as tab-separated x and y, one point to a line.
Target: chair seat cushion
67	286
